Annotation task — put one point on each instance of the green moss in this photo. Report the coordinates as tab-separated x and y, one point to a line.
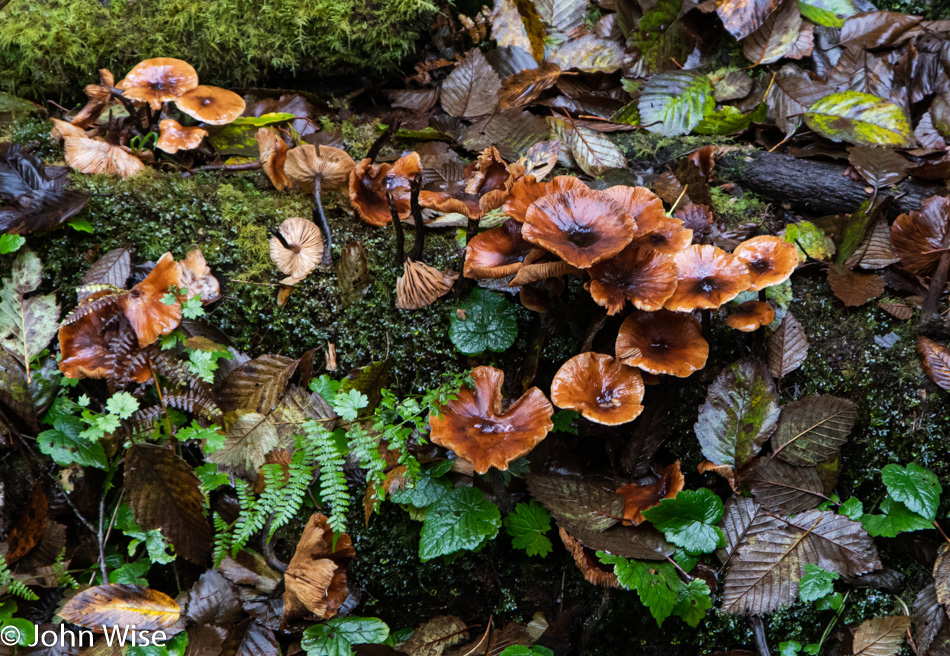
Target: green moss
737	210
50	48
655	148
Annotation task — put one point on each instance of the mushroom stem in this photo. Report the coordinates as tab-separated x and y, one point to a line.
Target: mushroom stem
937	285
129	107
419	244
707	322
280	237
319	214
381	140
397	224
529	365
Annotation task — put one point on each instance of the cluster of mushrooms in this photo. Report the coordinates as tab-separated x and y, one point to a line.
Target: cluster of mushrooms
148	93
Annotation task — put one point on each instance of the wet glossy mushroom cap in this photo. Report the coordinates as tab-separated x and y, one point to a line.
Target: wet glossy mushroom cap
93	156
316	575
750	316
542	270
369	183
195	277
84	343
175	137
600	387
771	260
708	277
487	183
496	253
662	342
307	162
477	428
273	156
582	226
640	497
645	277
302	252
421	285
144	305
211	105
159	80
919	238
587	562
63	130
668	236
643	205
526	190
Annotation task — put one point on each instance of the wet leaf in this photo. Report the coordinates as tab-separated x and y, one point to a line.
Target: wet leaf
433	637
336	637
249	638
113	269
931	622
882	636
165	494
689	519
594	152
828	13
729	120
786	489
854	289
121	606
14	391
27	323
29	527
658	39
214	600
250	437
942	576
589	54
257	384
776	37
787	347
517	24
811	240
461	519
523	88
562	15
34	197
489	323
472	88
742	17
732	86
739	415
812	429
860	118
63	444
576	504
873	29
880	167
315	580
920	237
674	103
914	486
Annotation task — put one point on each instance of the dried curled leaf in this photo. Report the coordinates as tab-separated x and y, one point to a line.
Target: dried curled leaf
935	359
787	347
121	606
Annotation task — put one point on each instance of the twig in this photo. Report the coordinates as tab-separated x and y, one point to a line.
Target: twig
758	630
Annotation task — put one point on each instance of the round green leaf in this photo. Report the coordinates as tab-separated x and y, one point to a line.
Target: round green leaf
860	118
487	322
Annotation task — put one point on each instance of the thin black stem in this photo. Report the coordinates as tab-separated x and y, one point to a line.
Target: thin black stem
419	244
129	107
280	237
319	215
381	141
397	223
937	284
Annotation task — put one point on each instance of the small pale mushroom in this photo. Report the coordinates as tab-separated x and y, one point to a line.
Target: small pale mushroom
100	97
296	249
771	260
63	130
603	389
94	156
157	81
662	342
273	156
707	278
195	276
750	316
421	285
174	136
211	105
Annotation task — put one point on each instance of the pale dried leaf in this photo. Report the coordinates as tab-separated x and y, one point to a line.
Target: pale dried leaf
882	636
787	347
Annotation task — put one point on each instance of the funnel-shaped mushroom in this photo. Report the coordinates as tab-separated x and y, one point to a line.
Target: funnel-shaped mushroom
708	277
496	253
88	344
638	498
296	249
175	137
603	389
100	97
654	228
195	278
645	277
370	182
273	156
771	260
159	80
534	271
63	130
750	316
477	428
662	342
486	184
421	285
316	575
526	190
921	238
144	305
315	169
93	156
211	105
580	226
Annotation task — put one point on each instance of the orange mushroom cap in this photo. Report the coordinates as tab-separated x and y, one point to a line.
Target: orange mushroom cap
603	389
662	342
488	181
273	156
369	183
587	562
211	105
654	227
580	226
669	236
708	277
642	275
149	315
175	137
771	260
919	238
496	253
526	190
638	498
476	427
159	80
85	343
750	316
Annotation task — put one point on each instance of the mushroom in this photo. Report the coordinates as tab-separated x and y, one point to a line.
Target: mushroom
316	575
63	130
370	182
645	277
475	426
87	344
144	305
496	253
315	169
159	80
640	497
526	190
601	388
100	97
580	226
273	155
94	156
196	280
211	105
535	271
654	228
587	562
708	277
771	260
922	242
750	316
662	342
421	285
296	249
175	137
487	183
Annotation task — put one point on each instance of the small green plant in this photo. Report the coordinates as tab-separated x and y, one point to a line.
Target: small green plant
336	637
527	526
485	321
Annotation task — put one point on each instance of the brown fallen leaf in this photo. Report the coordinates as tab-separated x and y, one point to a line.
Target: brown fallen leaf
29	527
121	606
434	636
881	636
854	289
522	88
897	310
935	359
787	347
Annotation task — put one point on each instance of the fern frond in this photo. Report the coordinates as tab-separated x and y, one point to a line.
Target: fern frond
196	401
222	539
333	489
14	587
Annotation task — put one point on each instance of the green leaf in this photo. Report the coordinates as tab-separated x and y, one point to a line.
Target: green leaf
210	477
264	119
657	36
915	487
810	239
674	103
789	648
527	526
489	323
348	404
524	650
27	323
693	602
80	225
131	573
212	436
564	421
860	118
656	584
427	490
828	13
896	519
852	509
461	519
11	243
688	520
122	404
831	602
816	583
729	120
192	308
335	637
64	445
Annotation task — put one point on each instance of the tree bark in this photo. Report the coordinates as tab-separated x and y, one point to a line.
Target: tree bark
813	186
